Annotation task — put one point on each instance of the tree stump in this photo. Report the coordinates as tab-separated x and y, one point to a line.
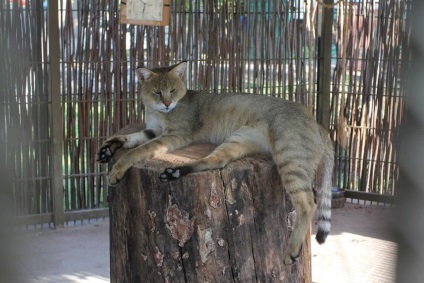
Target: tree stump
228	225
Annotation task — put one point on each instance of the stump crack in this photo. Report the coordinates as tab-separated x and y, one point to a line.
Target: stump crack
255	225
183	265
226	203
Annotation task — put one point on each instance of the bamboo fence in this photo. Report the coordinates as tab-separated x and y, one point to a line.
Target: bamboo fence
368	91
261	47
25	131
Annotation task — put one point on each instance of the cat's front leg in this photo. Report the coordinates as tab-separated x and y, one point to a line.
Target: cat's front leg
112	144
155	147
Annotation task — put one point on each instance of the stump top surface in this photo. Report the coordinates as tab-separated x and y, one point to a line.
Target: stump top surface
190	153
179	156
182	155
186	154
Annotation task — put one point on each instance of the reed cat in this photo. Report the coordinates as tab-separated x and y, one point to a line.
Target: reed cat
241	124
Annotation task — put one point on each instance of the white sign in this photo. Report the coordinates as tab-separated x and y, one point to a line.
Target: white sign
145	10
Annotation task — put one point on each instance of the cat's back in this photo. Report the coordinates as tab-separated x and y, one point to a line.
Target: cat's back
221	114
254	106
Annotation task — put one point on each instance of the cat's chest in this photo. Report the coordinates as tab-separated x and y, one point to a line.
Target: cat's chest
155	121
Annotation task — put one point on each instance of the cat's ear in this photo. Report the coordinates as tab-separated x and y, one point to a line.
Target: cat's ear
144	74
179	69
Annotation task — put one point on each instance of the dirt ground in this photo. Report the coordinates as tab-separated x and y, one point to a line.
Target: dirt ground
360	249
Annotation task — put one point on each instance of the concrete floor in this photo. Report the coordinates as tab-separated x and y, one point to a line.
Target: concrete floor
359	249
73	254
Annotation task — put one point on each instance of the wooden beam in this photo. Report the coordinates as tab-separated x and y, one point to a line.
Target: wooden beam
44	218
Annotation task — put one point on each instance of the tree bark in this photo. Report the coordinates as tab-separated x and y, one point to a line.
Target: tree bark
228	225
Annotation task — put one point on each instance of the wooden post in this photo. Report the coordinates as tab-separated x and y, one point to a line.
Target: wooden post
228	225
56	115
325	41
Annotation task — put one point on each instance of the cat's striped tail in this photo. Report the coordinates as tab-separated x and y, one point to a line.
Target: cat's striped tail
324	185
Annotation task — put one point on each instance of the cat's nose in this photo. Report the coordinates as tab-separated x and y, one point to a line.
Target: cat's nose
167	103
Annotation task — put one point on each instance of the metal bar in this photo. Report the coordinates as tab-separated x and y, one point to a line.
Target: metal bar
370	196
46	218
324	64
56	114
86	214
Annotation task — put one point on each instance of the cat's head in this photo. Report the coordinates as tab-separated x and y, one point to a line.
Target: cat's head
162	88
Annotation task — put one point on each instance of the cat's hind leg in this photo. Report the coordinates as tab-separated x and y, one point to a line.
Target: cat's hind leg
297	175
303	202
245	141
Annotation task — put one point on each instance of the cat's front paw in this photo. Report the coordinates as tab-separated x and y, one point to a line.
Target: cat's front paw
174	173
115	175
292	254
169	174
109	147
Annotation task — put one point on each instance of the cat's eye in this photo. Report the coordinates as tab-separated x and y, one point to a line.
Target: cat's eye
158	92
173	90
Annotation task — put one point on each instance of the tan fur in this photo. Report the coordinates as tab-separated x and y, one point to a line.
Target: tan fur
241	124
